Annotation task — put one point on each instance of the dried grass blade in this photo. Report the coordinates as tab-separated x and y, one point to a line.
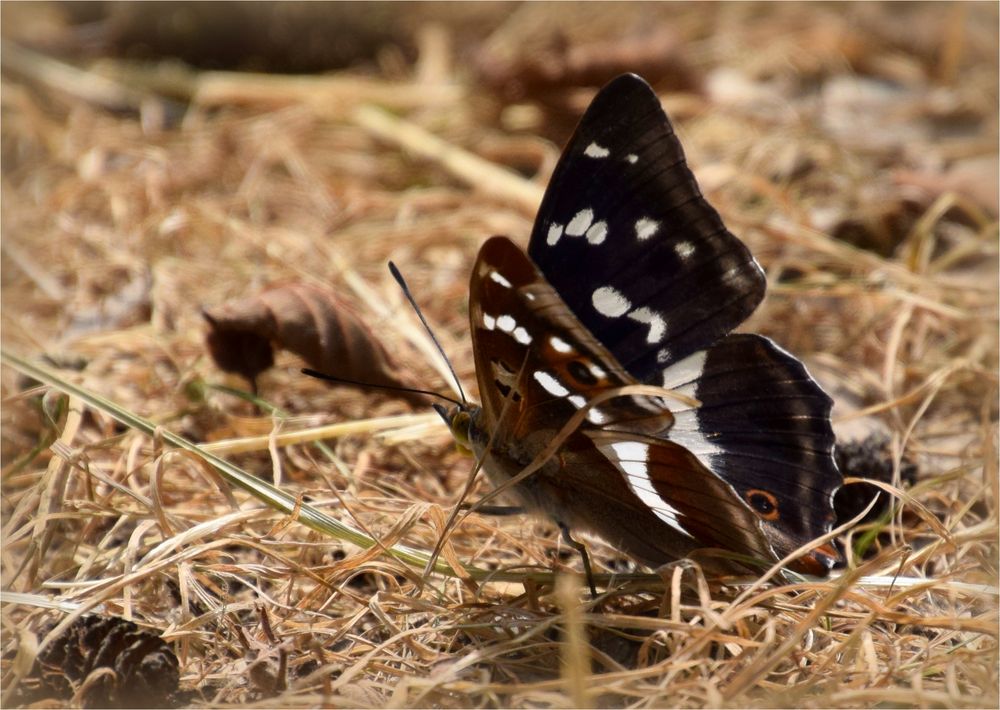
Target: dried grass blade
329	431
575	667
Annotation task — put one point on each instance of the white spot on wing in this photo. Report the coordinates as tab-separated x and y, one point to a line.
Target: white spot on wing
594	415
633	459
682	377
645	228
489	322
609	302
580	222
522	336
663	355
597	371
687	432
555	231
498	278
560	345
684	249
597	416
506	323
596	151
657	325
632	158
550	384
597	233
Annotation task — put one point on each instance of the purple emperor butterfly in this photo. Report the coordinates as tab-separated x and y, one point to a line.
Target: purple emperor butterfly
632	278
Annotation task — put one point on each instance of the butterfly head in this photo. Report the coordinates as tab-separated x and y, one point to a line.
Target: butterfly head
819	561
460	419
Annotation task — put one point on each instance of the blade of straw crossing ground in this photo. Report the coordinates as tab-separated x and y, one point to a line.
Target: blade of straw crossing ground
222	88
261	490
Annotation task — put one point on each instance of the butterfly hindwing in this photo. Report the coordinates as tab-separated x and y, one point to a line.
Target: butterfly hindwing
763	426
626	238
680	489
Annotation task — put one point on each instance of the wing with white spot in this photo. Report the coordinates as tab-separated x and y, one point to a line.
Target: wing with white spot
751	468
626	238
763	427
761	434
685	495
531	350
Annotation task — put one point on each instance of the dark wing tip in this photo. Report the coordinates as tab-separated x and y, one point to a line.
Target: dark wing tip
627	82
625	92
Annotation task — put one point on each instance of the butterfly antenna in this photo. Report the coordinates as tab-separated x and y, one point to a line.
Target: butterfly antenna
371	385
409	297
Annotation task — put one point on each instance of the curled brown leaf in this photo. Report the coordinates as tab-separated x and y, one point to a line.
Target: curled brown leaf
316	324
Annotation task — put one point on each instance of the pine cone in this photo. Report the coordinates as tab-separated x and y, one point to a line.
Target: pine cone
146	670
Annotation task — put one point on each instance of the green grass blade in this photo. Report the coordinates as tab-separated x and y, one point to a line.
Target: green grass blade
263	491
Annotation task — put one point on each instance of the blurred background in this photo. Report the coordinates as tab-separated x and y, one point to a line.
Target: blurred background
193	193
860	114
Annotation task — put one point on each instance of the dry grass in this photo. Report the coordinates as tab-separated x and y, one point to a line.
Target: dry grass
117	230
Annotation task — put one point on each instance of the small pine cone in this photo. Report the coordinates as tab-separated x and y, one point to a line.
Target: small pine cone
146	670
868	458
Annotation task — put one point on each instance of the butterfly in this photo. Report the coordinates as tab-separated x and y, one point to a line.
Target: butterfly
631	278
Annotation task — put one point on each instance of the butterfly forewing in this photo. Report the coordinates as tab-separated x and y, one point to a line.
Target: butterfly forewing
626	238
534	360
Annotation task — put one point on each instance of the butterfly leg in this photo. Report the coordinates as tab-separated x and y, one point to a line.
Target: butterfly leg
582	549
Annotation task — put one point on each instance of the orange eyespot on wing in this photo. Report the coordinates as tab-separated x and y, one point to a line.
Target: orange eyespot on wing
763	503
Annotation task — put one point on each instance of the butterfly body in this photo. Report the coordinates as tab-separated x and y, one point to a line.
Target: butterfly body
632	279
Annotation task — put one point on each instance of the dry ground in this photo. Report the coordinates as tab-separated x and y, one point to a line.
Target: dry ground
854	148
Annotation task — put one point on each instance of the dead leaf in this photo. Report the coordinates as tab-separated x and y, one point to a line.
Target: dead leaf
320	327
878	219
542	53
